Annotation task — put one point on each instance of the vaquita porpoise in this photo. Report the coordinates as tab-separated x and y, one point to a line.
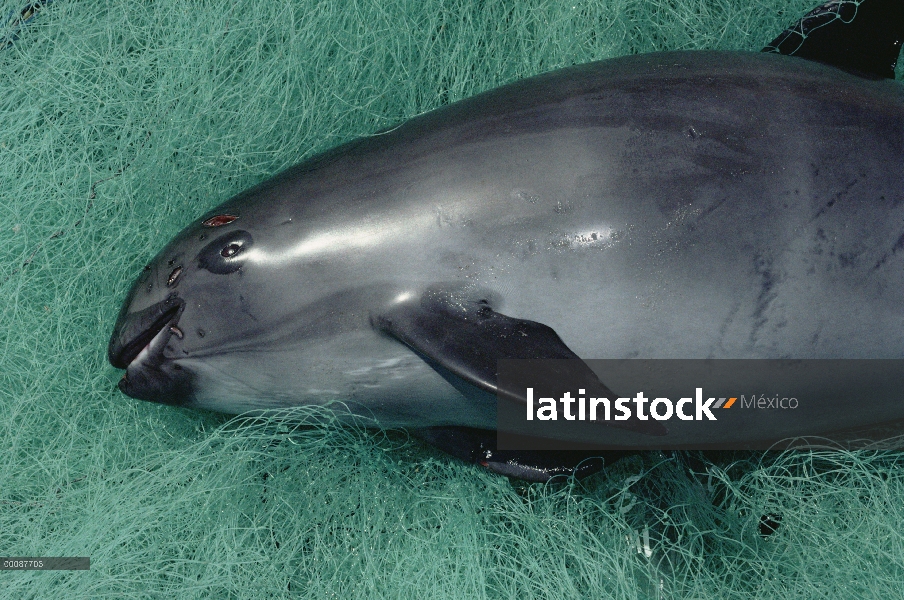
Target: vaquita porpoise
695	204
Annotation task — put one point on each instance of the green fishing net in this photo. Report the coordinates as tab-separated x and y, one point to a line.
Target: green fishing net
121	121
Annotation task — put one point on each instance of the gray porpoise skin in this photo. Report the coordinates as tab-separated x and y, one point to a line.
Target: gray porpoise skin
668	205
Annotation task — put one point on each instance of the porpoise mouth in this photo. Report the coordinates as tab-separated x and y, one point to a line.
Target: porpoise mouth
143	335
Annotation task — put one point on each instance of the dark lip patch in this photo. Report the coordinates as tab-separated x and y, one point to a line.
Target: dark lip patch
138	329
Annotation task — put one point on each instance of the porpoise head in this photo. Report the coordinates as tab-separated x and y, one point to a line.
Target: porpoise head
179	287
263	303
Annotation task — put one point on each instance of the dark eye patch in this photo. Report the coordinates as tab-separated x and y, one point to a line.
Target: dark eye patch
226	253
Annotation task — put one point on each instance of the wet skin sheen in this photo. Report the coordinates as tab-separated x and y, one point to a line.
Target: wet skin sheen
670	205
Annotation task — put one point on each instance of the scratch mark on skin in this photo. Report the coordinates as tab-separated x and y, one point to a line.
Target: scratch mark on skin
769	281
899	245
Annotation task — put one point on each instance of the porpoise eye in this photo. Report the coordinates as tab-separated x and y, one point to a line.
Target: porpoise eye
225	254
230	250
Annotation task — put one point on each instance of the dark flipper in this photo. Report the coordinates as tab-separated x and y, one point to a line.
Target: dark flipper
479	446
862	36
463	338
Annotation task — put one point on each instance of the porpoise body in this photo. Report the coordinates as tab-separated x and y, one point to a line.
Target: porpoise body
669	205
